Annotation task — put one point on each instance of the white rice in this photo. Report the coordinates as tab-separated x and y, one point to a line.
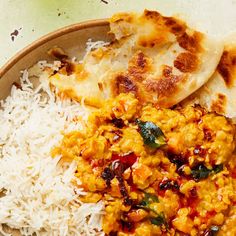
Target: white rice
38	195
93	45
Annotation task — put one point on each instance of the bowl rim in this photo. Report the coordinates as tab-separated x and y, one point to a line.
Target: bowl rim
47	37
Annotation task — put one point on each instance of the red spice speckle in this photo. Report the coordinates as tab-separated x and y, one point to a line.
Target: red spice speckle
191	202
232	172
209	215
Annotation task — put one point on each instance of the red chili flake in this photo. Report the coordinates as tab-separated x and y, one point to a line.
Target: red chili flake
169	184
181	172
232	171
119	123
108	175
127	159
210	214
180	232
113	233
130	182
198	150
119	165
193	213
178	159
116	169
122	187
127	226
97	163
233	174
207	134
193	192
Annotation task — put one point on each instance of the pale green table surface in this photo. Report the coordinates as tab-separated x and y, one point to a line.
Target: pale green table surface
34	18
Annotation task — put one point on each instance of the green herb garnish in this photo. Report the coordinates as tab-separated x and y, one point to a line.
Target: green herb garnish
218	168
152	135
159	220
148	199
202	172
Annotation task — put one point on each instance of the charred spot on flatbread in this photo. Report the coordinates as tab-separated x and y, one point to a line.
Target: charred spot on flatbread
218	105
227	67
164	86
191	43
186	62
123	84
175	26
138	66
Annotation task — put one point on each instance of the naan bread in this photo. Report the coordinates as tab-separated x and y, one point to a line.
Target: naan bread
219	93
159	59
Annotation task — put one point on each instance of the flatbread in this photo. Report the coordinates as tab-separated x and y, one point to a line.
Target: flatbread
219	93
159	59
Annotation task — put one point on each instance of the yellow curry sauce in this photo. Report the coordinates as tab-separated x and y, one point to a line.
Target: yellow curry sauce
183	185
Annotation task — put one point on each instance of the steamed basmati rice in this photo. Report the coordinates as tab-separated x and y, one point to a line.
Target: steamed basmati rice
38	196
